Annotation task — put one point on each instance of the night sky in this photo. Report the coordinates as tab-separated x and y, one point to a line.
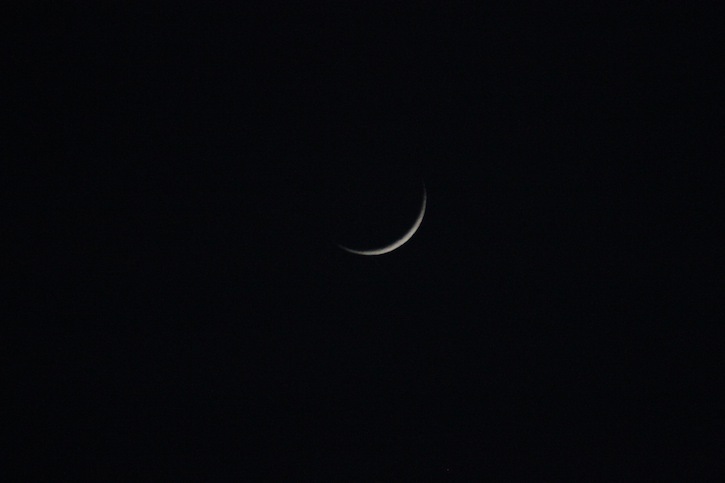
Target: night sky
185	173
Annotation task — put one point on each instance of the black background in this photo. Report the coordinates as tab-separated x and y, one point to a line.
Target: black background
185	173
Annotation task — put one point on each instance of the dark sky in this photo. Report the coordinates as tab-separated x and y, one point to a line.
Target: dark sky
185	173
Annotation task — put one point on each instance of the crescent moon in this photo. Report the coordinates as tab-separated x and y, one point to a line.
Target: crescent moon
398	243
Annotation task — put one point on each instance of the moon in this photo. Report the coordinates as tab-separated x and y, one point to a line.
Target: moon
400	241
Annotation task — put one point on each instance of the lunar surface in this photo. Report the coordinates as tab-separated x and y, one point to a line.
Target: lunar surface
400	241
